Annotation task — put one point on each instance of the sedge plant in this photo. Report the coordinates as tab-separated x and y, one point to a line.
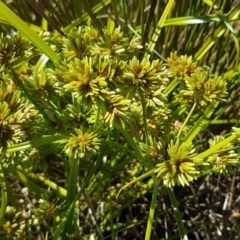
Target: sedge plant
90	105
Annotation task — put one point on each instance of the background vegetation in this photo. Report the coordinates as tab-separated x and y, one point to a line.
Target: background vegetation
119	119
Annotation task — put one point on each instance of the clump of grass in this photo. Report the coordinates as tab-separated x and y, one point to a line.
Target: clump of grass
74	129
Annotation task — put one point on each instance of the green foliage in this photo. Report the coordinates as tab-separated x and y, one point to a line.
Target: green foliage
75	129
12	224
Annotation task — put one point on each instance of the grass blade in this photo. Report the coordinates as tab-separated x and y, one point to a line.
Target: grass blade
21	26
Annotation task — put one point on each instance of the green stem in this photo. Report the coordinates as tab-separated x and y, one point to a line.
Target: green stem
177	214
186	120
4	194
97	118
201	122
148	162
217	147
152	211
136	180
60	190
158	28
72	188
72	179
171	86
40	141
26	181
67	215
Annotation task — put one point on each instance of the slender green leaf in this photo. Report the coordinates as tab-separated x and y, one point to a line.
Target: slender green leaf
21	26
3	194
202	121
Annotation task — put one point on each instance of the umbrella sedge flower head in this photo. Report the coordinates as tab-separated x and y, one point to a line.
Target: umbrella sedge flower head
83	80
144	76
113	44
181	168
77	114
202	88
12	224
6	132
135	44
77	44
156	98
50	207
82	144
41	86
117	110
181	66
13	50
11	107
223	161
215	88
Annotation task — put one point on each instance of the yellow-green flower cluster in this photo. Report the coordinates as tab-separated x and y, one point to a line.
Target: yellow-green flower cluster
77	44
12	224
10	113
85	41
114	45
203	88
181	66
77	115
82	144
144	76
224	160
83	80
181	168
117	110
13	50
49	207
101	73
41	86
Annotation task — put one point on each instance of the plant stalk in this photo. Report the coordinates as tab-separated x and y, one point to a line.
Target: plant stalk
177	214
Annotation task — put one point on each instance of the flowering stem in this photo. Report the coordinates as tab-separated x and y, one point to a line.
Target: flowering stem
97	118
60	190
186	120
73	178
67	215
177	214
4	194
171	86
158	29
201	122
149	165
151	211
24	179
216	147
72	187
